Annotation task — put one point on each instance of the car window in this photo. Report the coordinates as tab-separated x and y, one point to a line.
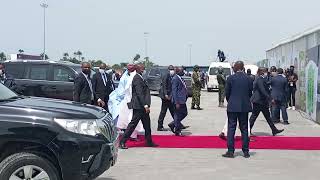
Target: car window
15	70
39	72
62	74
214	71
154	72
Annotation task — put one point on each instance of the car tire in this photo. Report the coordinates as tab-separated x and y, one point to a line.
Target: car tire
18	164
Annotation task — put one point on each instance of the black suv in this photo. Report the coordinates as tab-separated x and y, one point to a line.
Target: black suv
48	79
154	76
43	138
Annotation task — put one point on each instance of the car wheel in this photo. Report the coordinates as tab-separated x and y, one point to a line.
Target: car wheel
27	166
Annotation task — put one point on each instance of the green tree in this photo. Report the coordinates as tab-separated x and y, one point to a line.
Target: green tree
116	66
21	51
3	56
96	63
79	54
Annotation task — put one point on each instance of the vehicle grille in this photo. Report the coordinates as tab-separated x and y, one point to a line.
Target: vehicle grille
107	128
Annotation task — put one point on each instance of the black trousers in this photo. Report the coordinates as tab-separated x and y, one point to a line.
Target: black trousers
292	96
233	118
264	108
166	104
179	115
138	114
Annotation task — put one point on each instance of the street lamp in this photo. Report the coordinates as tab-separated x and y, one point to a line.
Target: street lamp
44	6
190	55
146	36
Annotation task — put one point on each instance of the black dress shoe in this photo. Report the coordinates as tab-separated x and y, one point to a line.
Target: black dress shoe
277	132
185	127
222	136
199	108
123	146
171	126
286	123
228	155
151	145
161	129
179	134
246	155
193	107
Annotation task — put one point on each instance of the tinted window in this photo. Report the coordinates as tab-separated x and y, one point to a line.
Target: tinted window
214	71
62	74
39	72
164	71
16	70
154	72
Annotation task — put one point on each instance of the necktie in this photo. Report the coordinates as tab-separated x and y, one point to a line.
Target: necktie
104	79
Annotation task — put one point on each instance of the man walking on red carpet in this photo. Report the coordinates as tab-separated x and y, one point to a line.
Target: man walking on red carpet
179	99
238	92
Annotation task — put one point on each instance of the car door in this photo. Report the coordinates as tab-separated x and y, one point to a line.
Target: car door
154	79
38	81
63	82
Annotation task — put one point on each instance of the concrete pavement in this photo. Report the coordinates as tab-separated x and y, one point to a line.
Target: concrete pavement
203	164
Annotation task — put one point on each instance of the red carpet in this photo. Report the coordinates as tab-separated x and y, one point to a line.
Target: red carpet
262	142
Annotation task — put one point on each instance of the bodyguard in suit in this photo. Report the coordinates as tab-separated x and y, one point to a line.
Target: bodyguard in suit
238	92
279	85
83	90
140	103
179	99
102	86
165	95
261	99
6	79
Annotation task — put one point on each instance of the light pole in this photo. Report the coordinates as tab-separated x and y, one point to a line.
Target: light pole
44	6
146	36
190	53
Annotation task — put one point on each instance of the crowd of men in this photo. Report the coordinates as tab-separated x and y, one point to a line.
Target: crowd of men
269	92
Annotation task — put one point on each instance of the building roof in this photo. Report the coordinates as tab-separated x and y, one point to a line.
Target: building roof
297	36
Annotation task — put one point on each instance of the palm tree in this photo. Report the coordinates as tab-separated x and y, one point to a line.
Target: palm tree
82	58
21	51
2	56
46	56
78	53
66	54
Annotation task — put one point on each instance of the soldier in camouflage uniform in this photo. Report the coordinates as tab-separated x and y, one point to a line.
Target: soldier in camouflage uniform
221	81
196	88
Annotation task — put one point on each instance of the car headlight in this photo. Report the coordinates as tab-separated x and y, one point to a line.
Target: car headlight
86	127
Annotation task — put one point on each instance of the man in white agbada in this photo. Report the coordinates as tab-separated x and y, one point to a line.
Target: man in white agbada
119	99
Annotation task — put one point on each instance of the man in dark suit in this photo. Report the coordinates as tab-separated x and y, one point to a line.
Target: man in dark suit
165	95
261	99
279	85
83	91
140	103
238	92
6	79
179	99
102	86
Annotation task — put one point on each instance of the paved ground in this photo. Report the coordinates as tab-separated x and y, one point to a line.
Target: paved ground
204	164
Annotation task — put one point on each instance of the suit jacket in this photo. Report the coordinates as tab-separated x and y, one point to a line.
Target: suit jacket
9	82
140	93
179	90
238	92
82	92
279	86
166	86
261	93
102	91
